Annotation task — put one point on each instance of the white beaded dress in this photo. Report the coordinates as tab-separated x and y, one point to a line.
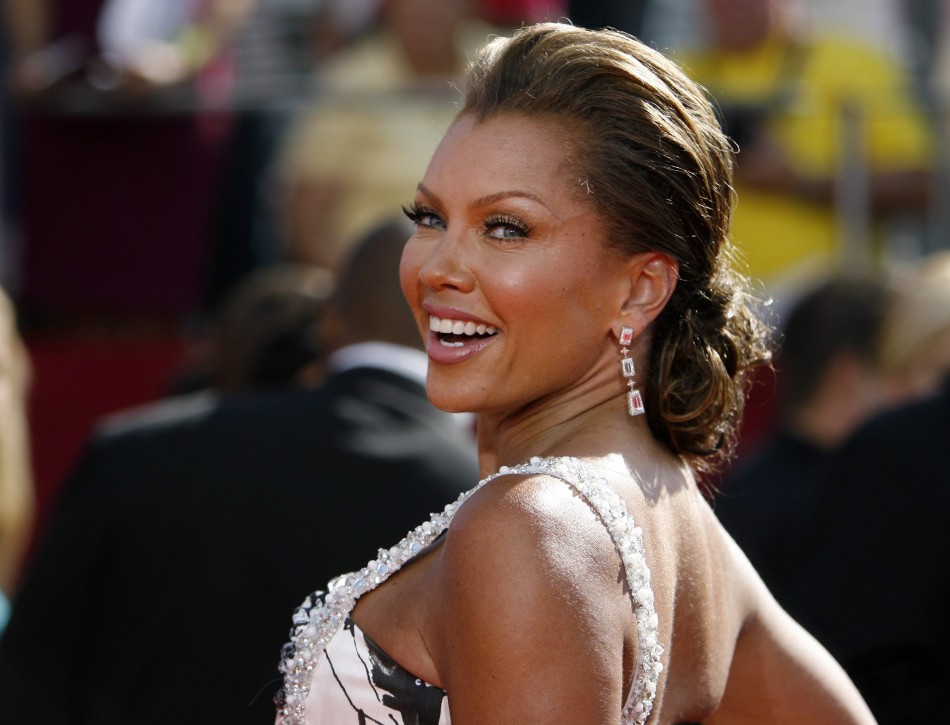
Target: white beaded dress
335	674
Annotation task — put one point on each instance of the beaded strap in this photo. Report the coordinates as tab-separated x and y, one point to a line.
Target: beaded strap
322	614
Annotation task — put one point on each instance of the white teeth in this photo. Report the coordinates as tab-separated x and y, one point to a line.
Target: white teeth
460	327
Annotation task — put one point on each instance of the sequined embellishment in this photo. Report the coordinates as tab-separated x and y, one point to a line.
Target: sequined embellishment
322	614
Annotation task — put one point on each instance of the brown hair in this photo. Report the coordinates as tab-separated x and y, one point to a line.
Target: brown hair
658	167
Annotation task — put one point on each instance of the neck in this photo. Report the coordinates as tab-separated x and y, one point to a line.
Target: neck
564	430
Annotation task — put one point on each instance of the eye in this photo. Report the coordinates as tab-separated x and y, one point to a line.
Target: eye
506	227
423	216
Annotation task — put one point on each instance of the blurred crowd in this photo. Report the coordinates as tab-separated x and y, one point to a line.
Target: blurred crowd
194	175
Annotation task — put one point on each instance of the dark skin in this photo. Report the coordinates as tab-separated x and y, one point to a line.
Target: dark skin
508	569
519	611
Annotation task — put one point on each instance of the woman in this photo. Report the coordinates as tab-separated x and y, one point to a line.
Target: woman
570	272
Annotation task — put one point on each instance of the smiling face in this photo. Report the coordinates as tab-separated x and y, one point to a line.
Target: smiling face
508	273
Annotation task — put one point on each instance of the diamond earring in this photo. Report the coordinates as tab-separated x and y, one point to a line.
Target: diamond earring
634	399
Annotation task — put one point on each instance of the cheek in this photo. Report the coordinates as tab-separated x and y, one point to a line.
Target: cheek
582	305
550	297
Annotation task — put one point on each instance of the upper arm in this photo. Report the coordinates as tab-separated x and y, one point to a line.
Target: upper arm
780	673
528	632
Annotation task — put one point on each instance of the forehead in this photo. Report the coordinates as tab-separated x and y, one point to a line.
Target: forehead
533	154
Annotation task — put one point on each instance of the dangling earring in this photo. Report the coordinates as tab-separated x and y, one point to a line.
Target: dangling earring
634	399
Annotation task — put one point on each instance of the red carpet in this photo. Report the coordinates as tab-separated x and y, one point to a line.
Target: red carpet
79	379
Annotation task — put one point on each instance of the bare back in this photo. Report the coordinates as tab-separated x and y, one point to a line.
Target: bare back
734	656
729	653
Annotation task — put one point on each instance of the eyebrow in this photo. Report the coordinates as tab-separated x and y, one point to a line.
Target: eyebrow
494	198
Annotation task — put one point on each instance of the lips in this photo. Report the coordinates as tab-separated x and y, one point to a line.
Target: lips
453	340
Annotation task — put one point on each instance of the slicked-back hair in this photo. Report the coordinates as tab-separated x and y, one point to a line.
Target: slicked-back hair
654	162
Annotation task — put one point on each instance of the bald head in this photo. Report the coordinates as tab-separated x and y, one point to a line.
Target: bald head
369	304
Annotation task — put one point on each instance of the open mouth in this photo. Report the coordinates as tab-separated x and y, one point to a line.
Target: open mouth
455	333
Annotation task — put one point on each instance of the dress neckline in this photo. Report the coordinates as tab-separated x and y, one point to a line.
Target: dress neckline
322	615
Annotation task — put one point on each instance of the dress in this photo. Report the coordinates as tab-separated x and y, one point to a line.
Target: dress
334	673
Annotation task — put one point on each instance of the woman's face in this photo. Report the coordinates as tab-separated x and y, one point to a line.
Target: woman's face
509	265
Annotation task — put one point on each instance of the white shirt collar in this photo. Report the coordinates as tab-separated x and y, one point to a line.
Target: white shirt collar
405	361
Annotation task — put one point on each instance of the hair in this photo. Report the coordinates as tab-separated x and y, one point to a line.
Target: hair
842	315
16	481
657	167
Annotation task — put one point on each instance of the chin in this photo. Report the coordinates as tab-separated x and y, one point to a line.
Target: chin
445	396
448	403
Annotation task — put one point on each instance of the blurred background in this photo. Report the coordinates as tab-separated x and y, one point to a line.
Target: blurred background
165	165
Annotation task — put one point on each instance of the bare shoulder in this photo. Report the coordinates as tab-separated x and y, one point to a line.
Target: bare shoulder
530	538
528	518
526	630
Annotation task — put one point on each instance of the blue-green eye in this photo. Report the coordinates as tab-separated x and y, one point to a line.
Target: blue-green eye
506	227
423	216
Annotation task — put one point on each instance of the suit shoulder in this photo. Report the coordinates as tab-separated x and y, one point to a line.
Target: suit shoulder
157	415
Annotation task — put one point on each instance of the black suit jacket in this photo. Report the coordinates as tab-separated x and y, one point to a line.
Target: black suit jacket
164	587
768	503
876	591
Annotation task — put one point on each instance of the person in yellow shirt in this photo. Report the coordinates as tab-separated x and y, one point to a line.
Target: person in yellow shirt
832	142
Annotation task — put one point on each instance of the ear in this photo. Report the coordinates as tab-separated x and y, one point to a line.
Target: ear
652	278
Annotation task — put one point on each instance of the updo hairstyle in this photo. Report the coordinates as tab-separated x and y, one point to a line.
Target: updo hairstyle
653	160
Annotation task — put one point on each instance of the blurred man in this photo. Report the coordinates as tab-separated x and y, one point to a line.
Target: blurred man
877	550
879	555
828	383
163	590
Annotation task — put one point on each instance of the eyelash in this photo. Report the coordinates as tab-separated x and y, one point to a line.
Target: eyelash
416	213
503	220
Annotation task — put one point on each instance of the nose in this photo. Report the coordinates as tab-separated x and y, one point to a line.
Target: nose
446	267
